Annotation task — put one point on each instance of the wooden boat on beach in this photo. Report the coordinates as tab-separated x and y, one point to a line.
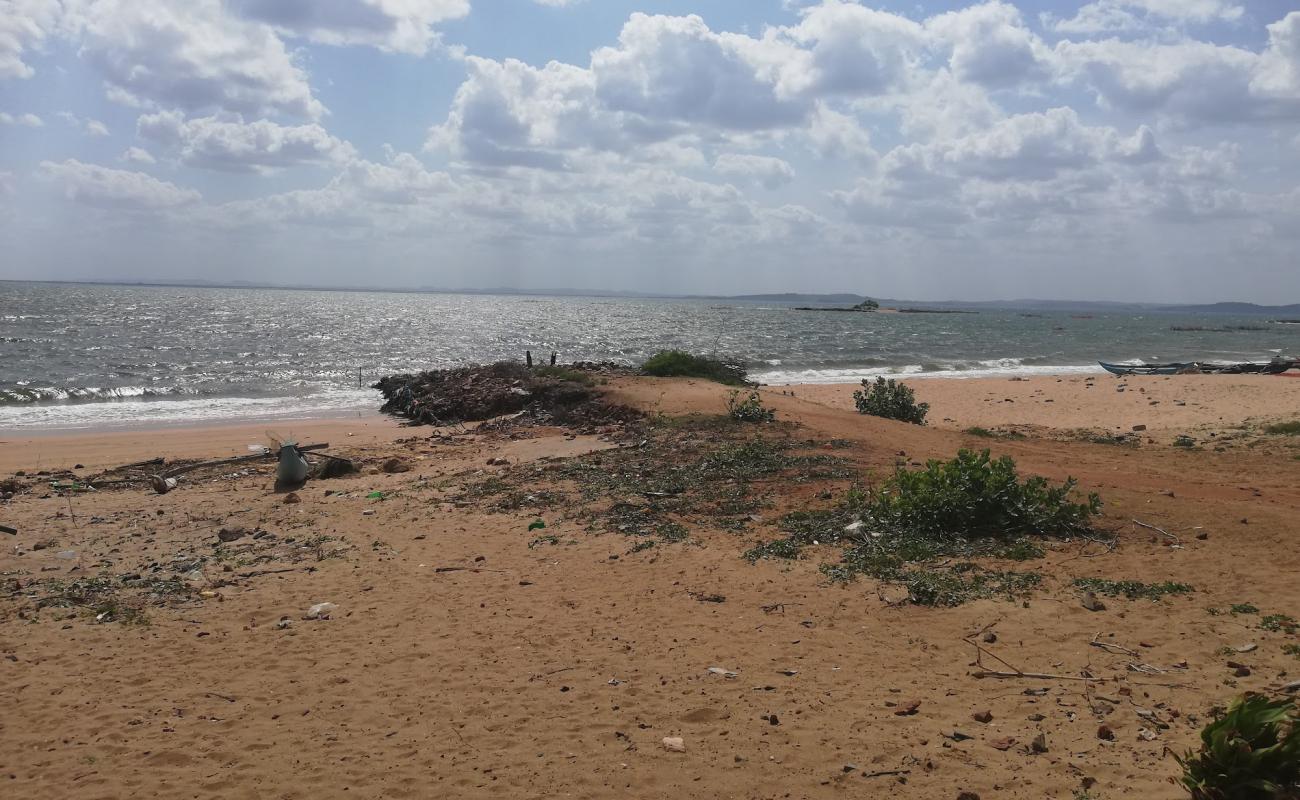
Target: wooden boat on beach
1278	366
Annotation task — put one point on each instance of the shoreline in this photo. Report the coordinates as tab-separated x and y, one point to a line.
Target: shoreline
1214	405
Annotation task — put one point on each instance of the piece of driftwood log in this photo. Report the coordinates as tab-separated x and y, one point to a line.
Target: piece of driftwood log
8	530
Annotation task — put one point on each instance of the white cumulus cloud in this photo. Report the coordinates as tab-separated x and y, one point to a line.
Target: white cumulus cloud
233	145
404	26
115	189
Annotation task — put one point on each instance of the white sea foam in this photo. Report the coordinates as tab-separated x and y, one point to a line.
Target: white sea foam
1008	367
141	412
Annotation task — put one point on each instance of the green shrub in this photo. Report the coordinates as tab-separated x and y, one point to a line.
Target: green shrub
680	364
891	400
751	409
1284	428
1251	752
918	529
973	495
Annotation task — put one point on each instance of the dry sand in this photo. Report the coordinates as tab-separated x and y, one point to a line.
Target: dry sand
556	671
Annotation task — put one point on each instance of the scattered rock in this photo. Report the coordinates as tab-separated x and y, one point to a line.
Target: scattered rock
1091	602
907	709
723	671
498	462
321	611
231	534
1138	428
674	744
291	499
983	716
968	796
1005	743
850	767
394	466
990	637
1105	733
1039	744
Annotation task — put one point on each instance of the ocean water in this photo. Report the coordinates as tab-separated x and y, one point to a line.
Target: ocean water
99	356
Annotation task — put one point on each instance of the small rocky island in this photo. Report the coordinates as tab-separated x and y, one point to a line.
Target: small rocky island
866	306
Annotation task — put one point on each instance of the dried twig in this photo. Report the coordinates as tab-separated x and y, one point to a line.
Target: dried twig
1015	672
1112	648
1161	531
882	773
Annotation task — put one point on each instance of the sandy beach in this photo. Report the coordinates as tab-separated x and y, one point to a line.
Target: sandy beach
473	653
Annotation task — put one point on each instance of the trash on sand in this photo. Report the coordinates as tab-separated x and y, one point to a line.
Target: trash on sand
537	525
292	468
321	611
674	744
723	671
375	496
8	530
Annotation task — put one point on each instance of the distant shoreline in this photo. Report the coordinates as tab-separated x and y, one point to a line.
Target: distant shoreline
1096	306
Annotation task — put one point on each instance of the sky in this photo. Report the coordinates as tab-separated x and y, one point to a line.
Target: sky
1113	149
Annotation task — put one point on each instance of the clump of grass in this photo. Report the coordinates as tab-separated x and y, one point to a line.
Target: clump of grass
1291	650
1279	623
1133	590
1284	428
891	400
751	409
971	506
1183	440
565	374
680	364
1243	608
1250	752
985	433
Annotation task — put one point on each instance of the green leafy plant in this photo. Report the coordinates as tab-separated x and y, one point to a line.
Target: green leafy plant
974	495
1133	590
1251	752
680	364
919	528
1279	623
750	409
891	400
867	305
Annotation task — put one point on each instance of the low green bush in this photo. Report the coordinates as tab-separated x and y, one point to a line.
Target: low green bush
891	400
920	527
1251	752
680	364
751	409
1284	428
974	495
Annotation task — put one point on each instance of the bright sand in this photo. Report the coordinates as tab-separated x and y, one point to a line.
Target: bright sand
556	670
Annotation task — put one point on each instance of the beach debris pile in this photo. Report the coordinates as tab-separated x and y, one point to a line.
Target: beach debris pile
544	395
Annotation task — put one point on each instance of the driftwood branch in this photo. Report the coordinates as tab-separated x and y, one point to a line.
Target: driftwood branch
1171	536
1111	648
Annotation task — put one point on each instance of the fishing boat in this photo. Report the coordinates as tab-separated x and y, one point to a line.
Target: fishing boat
1150	369
1278	366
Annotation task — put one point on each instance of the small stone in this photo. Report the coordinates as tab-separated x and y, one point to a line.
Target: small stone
907	709
1105	733
1202	536
968	796
772	719
1039	744
231	534
1137	428
990	637
292	498
394	465
983	716
321	611
675	744
1091	602
850	767
1005	743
